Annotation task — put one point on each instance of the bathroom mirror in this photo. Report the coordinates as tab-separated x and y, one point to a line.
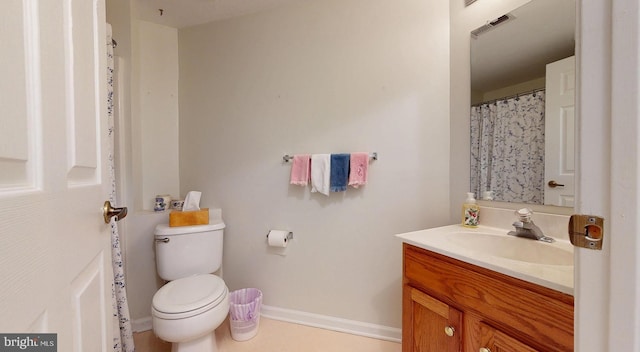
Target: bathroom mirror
522	97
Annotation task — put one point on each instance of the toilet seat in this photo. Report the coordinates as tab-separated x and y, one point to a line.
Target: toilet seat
189	296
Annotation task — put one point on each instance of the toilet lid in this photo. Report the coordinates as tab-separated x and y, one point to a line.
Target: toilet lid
190	294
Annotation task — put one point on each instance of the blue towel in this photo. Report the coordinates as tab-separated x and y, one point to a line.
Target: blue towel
339	172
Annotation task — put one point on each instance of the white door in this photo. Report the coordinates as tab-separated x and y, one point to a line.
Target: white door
559	169
607	282
54	244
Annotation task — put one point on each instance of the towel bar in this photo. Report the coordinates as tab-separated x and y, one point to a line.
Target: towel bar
286	158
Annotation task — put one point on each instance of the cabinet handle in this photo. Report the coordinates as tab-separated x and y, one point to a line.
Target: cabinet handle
449	330
484	349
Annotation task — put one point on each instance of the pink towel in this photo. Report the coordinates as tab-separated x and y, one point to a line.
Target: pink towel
300	170
359	167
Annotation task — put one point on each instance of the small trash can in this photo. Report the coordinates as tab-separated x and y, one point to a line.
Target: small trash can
244	311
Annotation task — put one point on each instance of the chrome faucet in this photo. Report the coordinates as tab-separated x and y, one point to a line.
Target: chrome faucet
526	228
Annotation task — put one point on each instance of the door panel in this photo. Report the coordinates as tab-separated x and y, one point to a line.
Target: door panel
560	132
54	245
82	91
88	319
20	87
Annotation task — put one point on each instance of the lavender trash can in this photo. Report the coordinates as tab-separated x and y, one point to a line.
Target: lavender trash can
244	311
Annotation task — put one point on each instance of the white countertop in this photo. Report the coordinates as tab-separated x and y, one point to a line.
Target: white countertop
553	269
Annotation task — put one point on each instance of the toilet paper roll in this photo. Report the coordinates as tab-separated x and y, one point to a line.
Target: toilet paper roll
278	238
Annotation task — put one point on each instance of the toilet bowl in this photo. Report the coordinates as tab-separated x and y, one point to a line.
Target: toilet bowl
193	303
186	312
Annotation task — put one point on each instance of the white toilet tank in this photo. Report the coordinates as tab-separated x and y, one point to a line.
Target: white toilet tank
183	251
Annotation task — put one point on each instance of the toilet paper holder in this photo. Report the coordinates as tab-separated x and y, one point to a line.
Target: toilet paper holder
289	236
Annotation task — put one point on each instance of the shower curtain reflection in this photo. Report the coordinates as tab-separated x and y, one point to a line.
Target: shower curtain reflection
507	148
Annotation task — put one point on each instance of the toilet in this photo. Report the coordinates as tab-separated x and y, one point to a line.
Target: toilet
193	303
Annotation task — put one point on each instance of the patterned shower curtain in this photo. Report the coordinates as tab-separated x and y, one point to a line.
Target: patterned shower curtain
507	148
123	335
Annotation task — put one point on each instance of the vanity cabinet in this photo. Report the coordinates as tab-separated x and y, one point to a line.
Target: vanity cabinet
451	305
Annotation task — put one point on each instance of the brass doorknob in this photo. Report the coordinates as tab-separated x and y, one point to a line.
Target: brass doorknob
554	184
484	349
449	330
109	211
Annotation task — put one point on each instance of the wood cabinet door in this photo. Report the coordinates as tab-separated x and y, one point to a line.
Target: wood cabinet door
431	325
494	340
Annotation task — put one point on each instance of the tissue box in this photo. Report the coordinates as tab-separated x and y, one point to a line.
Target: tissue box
188	218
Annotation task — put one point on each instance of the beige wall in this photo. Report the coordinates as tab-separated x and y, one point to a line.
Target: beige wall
147	58
158	92
147	149
156	131
320	77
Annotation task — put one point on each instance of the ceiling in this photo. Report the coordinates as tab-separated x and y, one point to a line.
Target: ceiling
186	13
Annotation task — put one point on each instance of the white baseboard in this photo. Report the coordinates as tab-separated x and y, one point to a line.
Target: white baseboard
142	324
310	319
332	323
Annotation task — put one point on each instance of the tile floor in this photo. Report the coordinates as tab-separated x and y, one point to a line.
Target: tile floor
278	336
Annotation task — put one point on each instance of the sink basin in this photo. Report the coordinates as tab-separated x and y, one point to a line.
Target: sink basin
546	264
513	248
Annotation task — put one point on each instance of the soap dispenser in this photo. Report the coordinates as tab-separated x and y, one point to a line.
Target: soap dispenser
470	211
